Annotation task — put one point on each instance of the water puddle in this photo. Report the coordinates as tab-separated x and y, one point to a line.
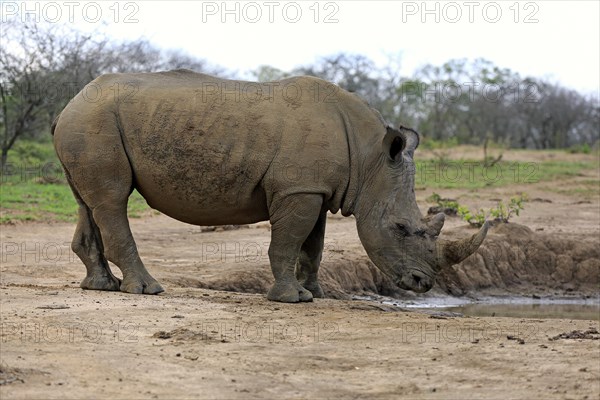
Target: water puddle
515	307
540	310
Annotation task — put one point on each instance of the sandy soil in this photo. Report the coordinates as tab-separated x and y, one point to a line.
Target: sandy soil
58	341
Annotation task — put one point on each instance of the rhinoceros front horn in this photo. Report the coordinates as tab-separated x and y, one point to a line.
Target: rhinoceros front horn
453	252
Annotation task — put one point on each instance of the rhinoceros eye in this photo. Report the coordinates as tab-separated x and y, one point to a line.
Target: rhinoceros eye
402	230
420	232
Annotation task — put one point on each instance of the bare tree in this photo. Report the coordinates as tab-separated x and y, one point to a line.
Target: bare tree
43	66
33	82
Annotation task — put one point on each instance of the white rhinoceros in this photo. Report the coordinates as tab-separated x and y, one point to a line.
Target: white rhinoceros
209	151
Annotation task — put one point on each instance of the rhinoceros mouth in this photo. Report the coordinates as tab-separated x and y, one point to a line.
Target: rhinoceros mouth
415	280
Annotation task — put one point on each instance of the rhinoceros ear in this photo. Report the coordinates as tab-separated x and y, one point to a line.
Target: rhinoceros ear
400	141
393	144
412	140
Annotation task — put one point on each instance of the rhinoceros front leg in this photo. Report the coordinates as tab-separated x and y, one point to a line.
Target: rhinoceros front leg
292	221
310	257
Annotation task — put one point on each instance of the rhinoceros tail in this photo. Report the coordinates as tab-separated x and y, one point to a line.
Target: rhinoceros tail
54	123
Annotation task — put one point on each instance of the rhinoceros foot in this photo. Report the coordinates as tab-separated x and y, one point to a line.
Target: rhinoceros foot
314	288
101	282
141	285
289	293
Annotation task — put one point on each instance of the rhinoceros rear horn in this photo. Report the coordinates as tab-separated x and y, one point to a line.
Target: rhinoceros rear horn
456	251
400	141
434	226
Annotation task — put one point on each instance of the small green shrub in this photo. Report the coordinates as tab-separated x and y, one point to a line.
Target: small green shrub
442	202
501	213
474	218
580	148
504	212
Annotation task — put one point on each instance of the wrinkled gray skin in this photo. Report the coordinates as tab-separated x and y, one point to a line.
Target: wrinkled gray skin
208	151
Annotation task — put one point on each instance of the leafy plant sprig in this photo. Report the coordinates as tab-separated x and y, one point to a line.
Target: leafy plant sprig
501	213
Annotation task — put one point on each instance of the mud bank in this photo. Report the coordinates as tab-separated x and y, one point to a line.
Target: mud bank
513	260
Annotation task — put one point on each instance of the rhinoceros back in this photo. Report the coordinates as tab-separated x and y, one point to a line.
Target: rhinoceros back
210	151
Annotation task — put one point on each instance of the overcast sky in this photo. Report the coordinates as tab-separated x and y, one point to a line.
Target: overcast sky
558	40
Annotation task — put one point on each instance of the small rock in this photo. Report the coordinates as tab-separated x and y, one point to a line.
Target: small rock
518	339
162	335
54	307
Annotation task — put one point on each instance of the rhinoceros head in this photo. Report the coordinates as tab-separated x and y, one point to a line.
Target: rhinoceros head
395	235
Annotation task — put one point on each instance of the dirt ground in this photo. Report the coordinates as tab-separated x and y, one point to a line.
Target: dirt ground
58	341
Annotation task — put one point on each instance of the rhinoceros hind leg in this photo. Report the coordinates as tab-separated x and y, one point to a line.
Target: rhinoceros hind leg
293	220
104	186
120	248
87	244
310	258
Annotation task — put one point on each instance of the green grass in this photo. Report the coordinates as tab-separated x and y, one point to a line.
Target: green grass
33	187
29	152
471	174
32	201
